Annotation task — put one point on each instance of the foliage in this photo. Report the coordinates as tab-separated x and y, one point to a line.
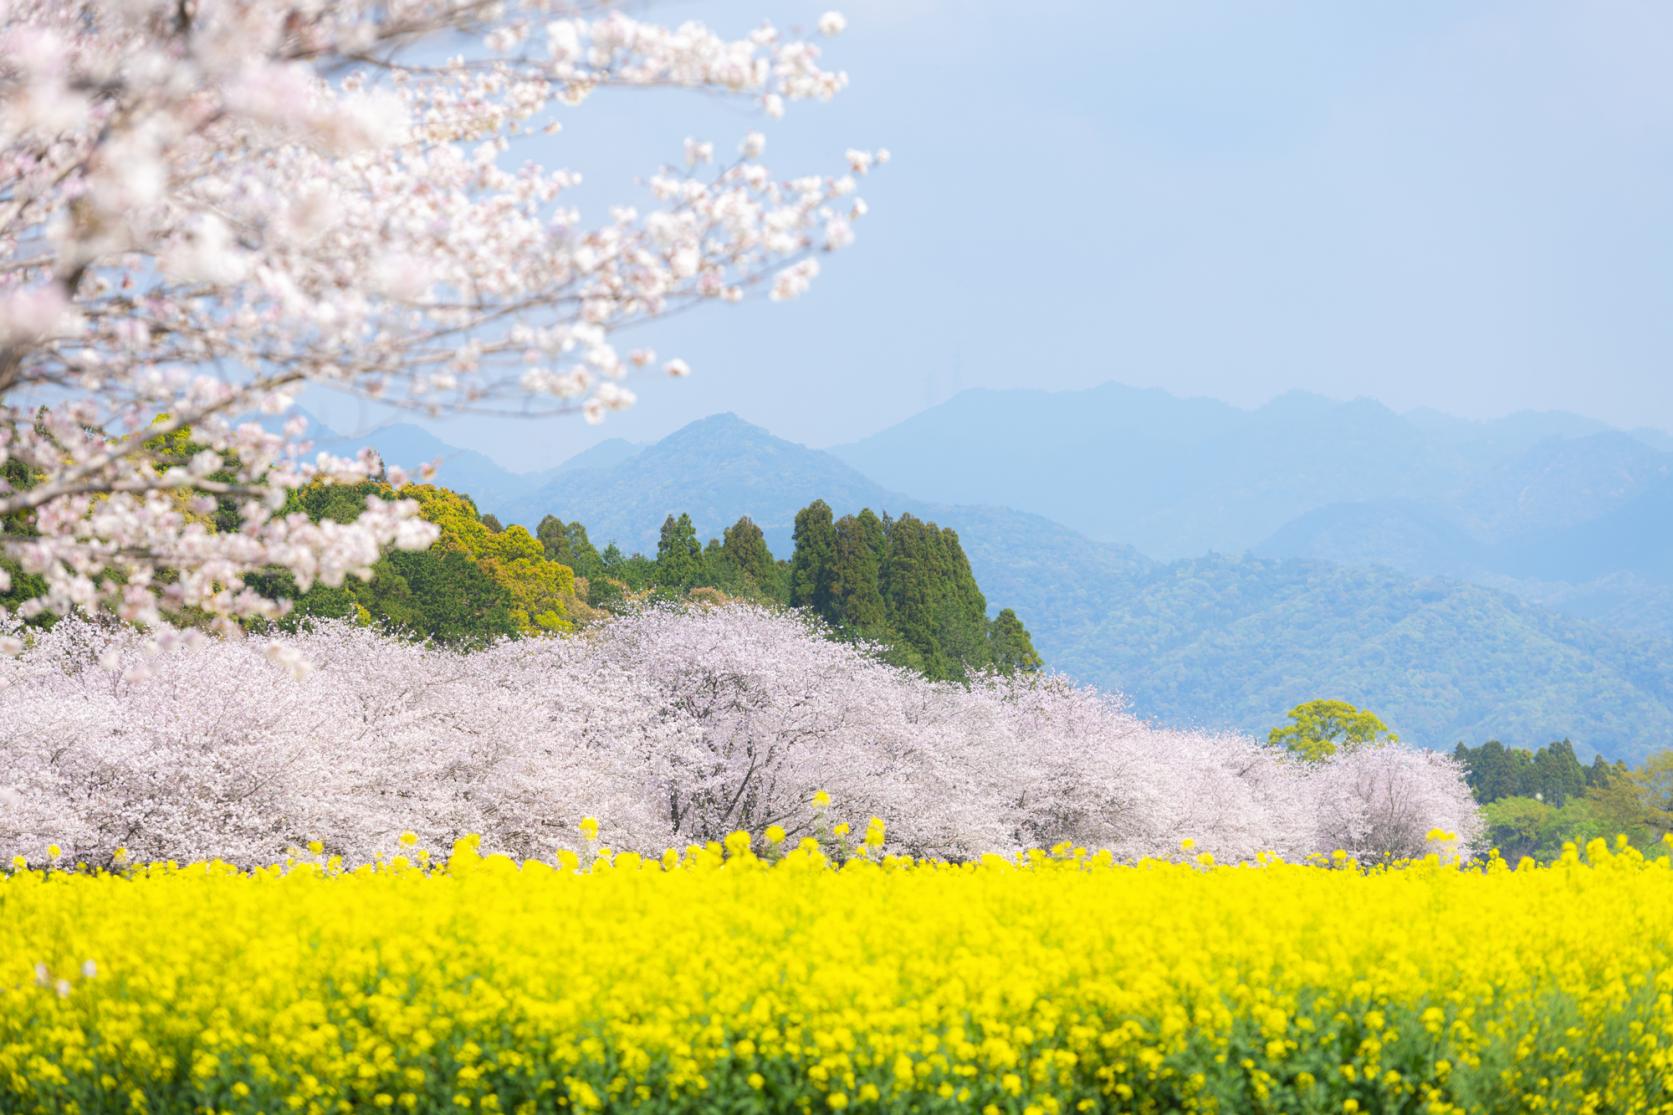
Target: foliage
1236	641
542	591
906	586
1554	802
1551	774
670	725
568	544
754	977
811	564
210	207
1010	646
679	556
744	548
472	585
901	585
1319	729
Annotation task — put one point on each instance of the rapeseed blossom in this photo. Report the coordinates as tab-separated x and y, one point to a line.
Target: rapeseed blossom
711	979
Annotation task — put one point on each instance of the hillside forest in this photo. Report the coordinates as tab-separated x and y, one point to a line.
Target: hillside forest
901	585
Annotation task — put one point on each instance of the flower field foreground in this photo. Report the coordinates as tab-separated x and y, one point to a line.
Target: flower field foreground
716	981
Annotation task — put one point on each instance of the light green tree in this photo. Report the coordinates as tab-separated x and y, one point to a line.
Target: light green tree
1319	729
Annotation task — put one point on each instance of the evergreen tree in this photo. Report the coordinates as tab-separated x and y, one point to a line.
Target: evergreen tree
1601	772
568	543
810	567
857	606
679	556
551	534
745	547
1011	648
914	577
1558	775
963	610
492	522
634	572
1488	771
1552	774
718	572
442	595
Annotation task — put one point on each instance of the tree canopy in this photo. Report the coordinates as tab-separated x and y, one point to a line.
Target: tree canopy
472	585
1319	729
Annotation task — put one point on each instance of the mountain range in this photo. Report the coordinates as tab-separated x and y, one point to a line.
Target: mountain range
1178	477
1507	585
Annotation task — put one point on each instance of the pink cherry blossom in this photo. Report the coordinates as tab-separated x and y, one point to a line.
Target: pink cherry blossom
670	727
208	207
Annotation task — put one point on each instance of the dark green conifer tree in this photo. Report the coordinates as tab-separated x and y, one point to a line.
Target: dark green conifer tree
745	547
679	556
1558	775
963	610
1010	648
810	567
1602	772
583	557
913	585
857	606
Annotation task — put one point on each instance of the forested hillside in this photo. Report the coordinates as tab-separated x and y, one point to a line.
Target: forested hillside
1236	641
902	585
475	583
1213	641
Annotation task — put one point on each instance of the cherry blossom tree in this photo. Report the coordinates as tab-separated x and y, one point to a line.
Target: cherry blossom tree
208	205
670	727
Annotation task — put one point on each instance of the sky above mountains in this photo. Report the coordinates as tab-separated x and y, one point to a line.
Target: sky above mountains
1462	207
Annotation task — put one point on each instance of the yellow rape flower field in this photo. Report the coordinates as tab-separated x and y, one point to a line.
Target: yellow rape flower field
718	981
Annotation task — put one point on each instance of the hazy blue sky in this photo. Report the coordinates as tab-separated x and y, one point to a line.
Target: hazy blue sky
1468	207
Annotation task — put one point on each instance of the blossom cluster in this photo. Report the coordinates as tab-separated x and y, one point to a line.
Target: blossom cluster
759	978
209	206
667	727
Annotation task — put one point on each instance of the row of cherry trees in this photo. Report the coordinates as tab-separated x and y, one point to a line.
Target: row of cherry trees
670	727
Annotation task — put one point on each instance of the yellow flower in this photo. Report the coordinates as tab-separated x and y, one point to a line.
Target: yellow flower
821	799
775	834
53	851
810	973
589	828
408	839
874	833
841	829
1187	845
316	847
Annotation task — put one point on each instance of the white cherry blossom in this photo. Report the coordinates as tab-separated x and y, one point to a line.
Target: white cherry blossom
207	207
670	727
